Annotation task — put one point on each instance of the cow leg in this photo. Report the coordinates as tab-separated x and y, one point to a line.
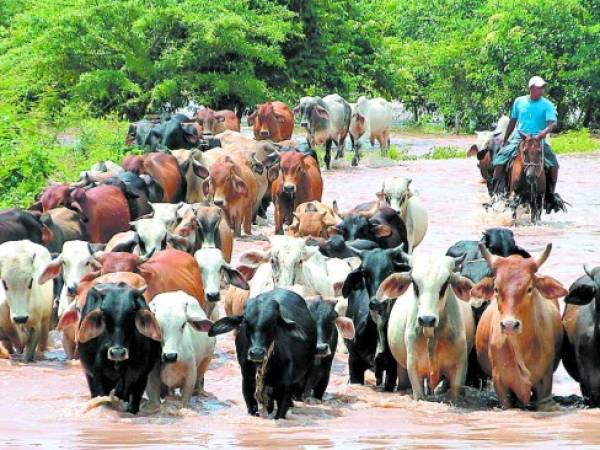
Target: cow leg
135	395
284	402
188	386
278	221
357	370
237	226
321	386
391	375
68	346
503	393
32	344
44	334
403	379
416	381
384	141
328	153
153	387
543	392
96	385
248	388
340	143
200	371
248	221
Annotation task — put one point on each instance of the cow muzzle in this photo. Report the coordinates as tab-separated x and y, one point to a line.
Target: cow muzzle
264	134
21	320
304	124
323	350
118	353
219	202
510	326
213	296
427	321
257	354
169	357
289	188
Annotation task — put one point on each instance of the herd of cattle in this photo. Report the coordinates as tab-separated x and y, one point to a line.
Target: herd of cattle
130	262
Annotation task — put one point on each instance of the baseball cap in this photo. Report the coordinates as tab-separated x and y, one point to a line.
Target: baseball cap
537	81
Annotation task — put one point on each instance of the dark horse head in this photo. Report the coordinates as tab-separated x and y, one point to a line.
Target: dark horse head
532	156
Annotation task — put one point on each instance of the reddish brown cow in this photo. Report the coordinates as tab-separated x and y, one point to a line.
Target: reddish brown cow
104	209
273	121
217	122
296	179
163	168
232	187
520	334
55	195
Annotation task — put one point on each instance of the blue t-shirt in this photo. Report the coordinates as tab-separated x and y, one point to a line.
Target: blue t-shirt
532	115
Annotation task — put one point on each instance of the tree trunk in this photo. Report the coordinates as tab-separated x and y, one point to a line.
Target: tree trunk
457	117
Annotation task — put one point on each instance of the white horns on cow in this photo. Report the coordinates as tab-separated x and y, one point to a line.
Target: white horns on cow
489	258
544	256
146	257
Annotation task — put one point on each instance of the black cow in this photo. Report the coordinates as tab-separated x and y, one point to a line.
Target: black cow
17	224
501	242
581	344
178	132
277	338
360	288
62	225
144	133
336	247
327	320
386	367
119	342
384	227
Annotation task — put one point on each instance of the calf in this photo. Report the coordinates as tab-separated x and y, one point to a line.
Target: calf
25	303
186	348
119	342
385	366
580	354
430	331
523	315
275	347
371	119
313	219
296	180
215	122
326	320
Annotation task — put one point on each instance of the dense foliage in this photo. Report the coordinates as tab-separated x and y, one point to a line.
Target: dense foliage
64	62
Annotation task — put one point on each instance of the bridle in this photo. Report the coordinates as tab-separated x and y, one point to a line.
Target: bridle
537	165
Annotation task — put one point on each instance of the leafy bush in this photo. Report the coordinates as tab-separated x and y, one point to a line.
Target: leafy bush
448	152
575	141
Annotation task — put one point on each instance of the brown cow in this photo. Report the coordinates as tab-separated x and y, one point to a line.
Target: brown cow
234	300
215	122
55	195
313	219
273	121
520	334
163	168
296	180
104	210
232	187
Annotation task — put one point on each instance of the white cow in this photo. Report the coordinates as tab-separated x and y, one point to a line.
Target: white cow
371	119
403	199
169	213
491	140
186	348
214	270
430	331
75	261
25	304
151	234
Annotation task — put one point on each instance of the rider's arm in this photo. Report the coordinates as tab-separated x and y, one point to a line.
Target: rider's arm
511	127
546	131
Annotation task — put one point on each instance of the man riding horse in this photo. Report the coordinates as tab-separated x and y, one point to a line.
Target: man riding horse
536	117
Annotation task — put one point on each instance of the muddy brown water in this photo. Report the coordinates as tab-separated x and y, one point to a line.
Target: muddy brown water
43	403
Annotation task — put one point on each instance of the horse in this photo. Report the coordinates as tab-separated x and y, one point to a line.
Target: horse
527	183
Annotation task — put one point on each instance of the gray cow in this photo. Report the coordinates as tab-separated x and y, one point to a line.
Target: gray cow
326	120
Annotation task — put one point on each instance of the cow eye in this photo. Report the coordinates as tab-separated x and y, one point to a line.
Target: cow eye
530	290
30	283
183	325
5	285
496	290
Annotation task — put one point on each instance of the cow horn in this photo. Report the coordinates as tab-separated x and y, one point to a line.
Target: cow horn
588	271
371	212
354	250
400	250
544	256
336	210
489	258
458	262
146	257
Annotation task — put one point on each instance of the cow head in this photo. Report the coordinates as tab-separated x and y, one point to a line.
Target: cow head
174	311
360	226
515	285
327	320
501	242
18	274
357	128
585	288
111	262
55	195
224	183
316	224
214	270
263	322
432	278
151	234
113	314
208	220
190	132
291	171
265	120
396	191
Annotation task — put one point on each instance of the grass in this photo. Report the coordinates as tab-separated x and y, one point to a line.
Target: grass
447	152
575	141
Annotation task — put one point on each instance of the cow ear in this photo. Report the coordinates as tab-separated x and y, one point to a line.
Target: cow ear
225	325
251	118
382	231
394	286
292	327
177	242
206	187
234	277
69	317
92	326
52	270
354	281
461	286
126	247
549	287
280	118
199	169
582	291
484	289
472	151
254	257
240	186
322	112
247	271
196	317
146	324
346	327
273	173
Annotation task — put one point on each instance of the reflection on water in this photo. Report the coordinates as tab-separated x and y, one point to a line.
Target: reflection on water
43	402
